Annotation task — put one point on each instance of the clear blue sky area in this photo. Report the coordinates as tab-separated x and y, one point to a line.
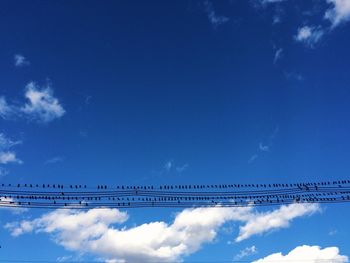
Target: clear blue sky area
174	92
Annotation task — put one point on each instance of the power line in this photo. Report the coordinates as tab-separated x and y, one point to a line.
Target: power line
53	196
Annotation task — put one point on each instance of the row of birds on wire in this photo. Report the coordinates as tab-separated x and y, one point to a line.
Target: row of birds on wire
222	195
175	186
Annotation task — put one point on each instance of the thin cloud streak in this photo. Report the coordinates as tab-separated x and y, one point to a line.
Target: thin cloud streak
20	60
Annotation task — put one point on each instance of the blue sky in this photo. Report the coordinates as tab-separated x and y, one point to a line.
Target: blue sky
154	92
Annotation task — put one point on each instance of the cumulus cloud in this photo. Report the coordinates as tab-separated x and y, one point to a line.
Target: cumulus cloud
339	12
20	60
94	231
42	105
73	227
214	18
312	254
309	35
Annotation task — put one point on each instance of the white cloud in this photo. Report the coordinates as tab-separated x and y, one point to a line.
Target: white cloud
276	19
9	157
266	3
339	13
182	168
3	172
214	19
270	1
20	60
253	158
332	232
6	143
171	166
53	160
294	76
168	165
94	231
147	242
70	258
312	254
73	227
264	148
13	208
42	105
309	35
246	252
280	218
278	55
6	110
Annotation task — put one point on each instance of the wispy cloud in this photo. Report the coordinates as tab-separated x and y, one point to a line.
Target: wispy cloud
306	253
170	166
295	76
8	156
6	143
182	168
71	258
214	18
309	35
94	231
248	251
6	111
53	160
20	60
278	55
264	146
3	172
332	232
41	105
270	1
266	3
253	158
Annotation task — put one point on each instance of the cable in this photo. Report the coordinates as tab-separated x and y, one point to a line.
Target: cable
178	196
